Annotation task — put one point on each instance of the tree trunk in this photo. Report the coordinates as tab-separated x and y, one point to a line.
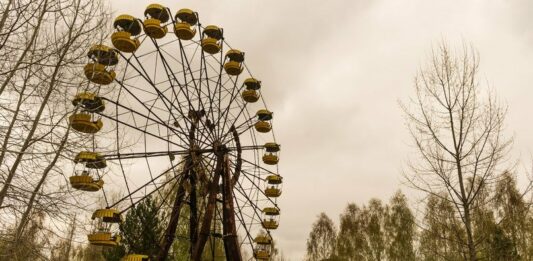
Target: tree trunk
29	207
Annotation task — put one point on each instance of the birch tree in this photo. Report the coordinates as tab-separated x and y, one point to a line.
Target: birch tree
322	239
400	230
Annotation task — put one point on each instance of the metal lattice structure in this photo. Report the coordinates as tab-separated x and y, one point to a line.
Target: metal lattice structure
199	131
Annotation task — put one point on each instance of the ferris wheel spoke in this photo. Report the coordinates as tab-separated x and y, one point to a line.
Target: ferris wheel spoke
161	45
166	197
255	208
163	98
186	70
246	206
142	103
141	130
247	174
233	96
218	81
156	121
242	128
148	183
136	155
157	188
158	118
249	147
240	217
254	165
150	172
171	76
210	151
211	98
232	123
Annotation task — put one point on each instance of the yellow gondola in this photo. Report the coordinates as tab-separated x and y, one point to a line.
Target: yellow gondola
103	238
252	84
263	239
128	23
263	125
233	68
82	122
92	160
187	15
186	18
234	65
250	95
235	55
273	189
272	192
271	157
98	73
127	26
211	42
264	115
89	102
154	29
123	42
272	147
103	54
274	179
108	215
262	254
272	211
262	250
270	224
135	257
157	11
156	15
85	182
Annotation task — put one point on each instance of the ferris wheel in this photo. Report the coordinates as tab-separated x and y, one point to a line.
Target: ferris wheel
188	125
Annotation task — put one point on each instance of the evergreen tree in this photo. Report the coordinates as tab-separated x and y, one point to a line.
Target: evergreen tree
140	231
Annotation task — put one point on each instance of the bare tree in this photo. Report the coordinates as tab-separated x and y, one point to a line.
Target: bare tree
457	131
43	46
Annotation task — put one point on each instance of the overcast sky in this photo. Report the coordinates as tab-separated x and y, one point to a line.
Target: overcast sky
334	71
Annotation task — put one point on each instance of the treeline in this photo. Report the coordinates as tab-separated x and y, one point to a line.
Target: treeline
503	229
